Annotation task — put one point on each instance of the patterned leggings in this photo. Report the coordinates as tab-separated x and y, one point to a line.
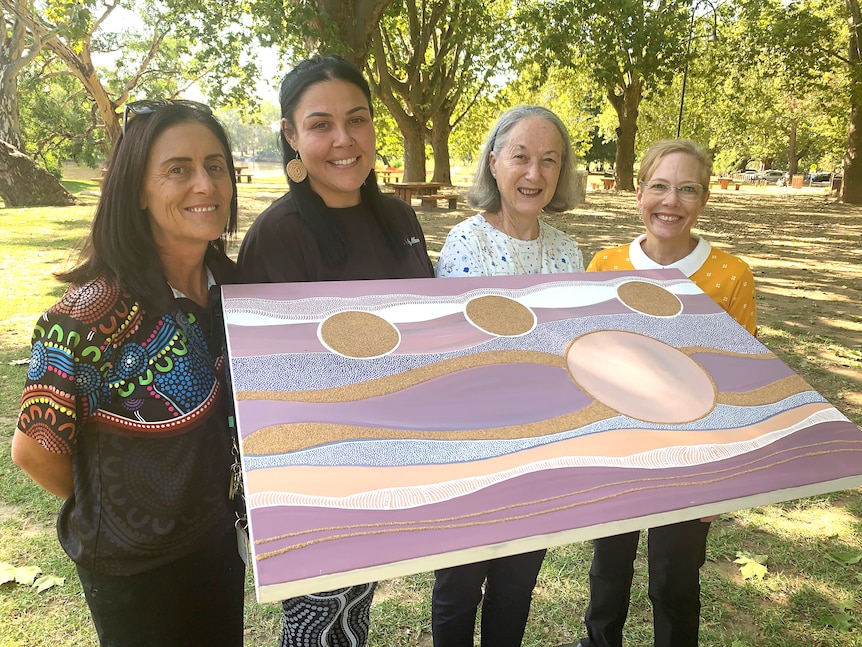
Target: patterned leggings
336	618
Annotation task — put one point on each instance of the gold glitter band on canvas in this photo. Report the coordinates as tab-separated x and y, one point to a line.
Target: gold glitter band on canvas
296	170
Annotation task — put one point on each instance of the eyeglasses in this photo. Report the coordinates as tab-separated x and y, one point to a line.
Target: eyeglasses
149	106
686	192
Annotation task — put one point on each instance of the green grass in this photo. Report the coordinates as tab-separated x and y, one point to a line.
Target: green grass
805	598
78	186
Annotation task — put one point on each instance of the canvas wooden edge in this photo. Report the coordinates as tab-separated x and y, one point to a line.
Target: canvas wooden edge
285	590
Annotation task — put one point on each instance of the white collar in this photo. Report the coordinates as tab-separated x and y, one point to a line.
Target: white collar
688	265
210	282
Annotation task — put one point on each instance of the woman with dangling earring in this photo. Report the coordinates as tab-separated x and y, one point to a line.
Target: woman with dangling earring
333	225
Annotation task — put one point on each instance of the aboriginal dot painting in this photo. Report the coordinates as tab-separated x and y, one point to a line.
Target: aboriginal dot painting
394	427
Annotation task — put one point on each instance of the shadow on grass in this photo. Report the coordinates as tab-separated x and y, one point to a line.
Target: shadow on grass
77	186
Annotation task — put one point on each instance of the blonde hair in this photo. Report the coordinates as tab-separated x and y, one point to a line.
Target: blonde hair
666	147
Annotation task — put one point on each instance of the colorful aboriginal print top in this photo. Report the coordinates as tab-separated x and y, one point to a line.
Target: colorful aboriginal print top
139	402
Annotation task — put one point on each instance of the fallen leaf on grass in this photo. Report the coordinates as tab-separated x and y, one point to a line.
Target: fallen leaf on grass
19	362
47	581
847	605
844	557
751	566
838	621
27	574
7	573
30	576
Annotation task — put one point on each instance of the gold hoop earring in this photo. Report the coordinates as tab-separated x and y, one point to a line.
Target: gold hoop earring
296	170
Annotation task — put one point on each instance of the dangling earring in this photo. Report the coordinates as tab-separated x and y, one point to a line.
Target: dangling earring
296	170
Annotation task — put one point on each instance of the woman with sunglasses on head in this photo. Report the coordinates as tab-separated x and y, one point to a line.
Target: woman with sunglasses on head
124	414
526	168
673	183
333	225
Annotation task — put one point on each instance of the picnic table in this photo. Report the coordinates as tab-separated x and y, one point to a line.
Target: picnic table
725	182
406	190
427	192
387	174
240	174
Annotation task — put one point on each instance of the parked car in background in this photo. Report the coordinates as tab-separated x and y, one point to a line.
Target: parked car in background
750	174
772	175
821	179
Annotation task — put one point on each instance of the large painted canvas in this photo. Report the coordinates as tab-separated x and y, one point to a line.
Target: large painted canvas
393	427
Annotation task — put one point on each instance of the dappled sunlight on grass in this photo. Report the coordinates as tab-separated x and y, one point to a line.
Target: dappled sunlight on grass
806	525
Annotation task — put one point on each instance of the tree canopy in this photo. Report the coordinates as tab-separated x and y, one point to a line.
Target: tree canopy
781	85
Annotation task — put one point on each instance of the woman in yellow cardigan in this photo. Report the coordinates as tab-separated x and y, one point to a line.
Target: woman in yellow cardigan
673	188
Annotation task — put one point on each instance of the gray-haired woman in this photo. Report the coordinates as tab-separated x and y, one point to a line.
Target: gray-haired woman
526	168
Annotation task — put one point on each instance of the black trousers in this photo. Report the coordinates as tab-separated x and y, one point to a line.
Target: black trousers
676	553
509	583
194	601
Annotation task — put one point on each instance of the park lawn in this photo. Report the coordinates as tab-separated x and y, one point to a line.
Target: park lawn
805	253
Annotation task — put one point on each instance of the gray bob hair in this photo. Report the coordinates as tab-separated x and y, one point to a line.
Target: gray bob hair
485	195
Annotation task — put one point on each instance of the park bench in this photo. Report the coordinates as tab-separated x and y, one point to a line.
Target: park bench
240	176
430	200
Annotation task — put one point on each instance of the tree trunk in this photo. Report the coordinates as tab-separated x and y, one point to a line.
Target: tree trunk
414	151
412	126
10	126
851	187
13	59
440	146
626	105
792	159
23	183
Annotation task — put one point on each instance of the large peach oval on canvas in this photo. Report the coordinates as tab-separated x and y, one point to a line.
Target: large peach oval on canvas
357	334
640	377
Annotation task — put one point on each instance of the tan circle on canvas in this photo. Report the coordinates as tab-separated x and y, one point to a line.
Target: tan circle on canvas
649	299
359	334
500	316
640	377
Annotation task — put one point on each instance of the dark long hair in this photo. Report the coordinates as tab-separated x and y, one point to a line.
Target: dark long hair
312	209
120	244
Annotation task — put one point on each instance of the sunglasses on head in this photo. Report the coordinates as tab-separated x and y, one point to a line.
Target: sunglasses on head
149	106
